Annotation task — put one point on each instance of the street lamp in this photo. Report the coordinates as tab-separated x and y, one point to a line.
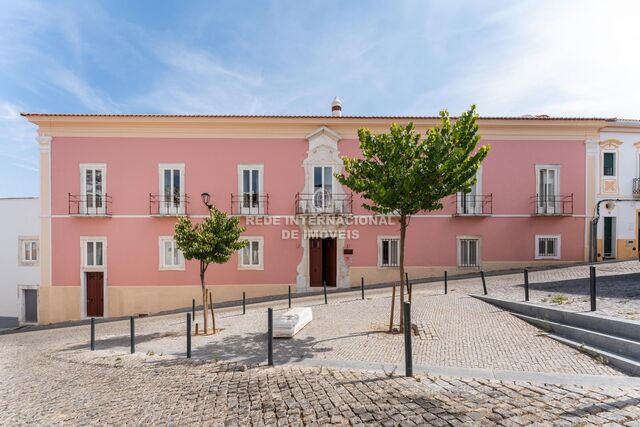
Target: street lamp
205	199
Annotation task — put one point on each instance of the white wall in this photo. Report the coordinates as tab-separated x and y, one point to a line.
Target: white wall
18	217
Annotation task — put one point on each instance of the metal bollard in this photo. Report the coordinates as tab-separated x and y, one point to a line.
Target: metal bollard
93	334
270	337
484	283
193	308
324	286
408	359
289	296
244	302
133	334
445	283
526	284
188	335
362	286
592	287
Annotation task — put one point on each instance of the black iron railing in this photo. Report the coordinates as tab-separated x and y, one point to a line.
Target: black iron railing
250	204
636	187
553	204
323	202
169	205
89	204
468	204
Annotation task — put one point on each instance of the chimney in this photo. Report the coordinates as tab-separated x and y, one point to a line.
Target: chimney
336	107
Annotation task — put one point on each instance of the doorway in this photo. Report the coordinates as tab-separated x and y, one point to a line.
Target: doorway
95	293
609	239
322	262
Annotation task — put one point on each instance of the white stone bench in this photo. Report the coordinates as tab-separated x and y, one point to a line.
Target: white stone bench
291	321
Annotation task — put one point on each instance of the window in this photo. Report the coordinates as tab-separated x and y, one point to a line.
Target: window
468	252
471	203
93	189
322	186
250	187
609	164
171	257
389	252
28	251
547	247
548	189
93	252
250	257
172	199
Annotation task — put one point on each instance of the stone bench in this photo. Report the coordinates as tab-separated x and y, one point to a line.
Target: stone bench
291	321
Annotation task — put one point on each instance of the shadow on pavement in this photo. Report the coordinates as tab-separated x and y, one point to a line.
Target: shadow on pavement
120	341
619	286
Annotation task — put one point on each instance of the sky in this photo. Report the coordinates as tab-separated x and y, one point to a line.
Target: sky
560	57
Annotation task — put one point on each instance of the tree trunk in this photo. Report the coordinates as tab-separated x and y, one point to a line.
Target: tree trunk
403	232
203	268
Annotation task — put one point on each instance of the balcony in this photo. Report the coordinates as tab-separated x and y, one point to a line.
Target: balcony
474	205
250	204
636	187
168	205
553	205
89	205
323	203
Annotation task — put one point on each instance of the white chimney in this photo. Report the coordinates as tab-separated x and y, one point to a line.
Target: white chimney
336	107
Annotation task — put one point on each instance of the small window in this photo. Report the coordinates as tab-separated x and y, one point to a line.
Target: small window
171	257
468	253
547	247
609	164
389	252
94	253
250	257
28	249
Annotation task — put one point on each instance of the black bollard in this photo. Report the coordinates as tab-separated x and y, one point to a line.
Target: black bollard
133	334
362	286
592	287
193	308
289	296
324	286
188	335
484	283
270	337
244	302
526	284
445	283
93	334
408	359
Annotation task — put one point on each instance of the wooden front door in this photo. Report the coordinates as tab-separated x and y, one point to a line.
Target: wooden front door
95	293
315	262
329	261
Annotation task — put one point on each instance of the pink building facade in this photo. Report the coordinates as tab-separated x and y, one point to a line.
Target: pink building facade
112	186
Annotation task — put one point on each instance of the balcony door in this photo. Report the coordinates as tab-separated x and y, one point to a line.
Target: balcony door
250	188
322	188
171	190
92	190
548	189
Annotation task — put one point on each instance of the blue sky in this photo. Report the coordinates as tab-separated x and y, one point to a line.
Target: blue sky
395	57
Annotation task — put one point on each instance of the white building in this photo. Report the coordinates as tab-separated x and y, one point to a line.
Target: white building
19	260
616	206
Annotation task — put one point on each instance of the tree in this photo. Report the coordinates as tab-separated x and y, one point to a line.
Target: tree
213	240
402	174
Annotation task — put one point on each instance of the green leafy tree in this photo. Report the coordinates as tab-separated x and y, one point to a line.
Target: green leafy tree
213	240
401	173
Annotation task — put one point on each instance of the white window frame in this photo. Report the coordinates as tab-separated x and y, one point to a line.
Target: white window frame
615	163
161	264
326	204
162	208
22	305
260	265
84	209
548	208
547	236
459	240
381	239
250	210
83	253
476	205
22	261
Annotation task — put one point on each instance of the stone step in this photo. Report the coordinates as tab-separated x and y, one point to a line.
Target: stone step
625	364
613	344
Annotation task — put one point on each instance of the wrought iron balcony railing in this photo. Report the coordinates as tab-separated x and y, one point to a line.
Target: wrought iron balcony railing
250	204
474	205
551	205
168	205
636	187
89	204
323	202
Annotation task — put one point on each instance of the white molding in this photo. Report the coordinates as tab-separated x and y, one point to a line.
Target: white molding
547	236
379	240
28	263
478	252
22	303
83	185
83	261
161	266
260	266
261	192
161	168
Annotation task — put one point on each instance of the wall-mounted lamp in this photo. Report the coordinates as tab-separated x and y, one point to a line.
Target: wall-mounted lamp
206	197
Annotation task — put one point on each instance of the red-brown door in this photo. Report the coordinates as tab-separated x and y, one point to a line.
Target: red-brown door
329	261
315	262
95	294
